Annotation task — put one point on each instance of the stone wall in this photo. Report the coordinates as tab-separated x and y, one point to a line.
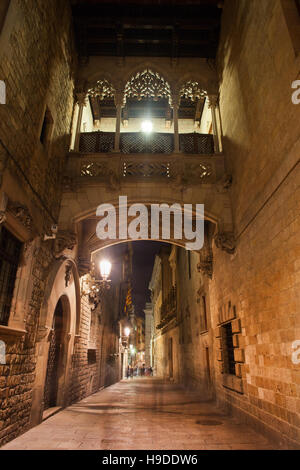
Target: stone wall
257	65
36	60
190	337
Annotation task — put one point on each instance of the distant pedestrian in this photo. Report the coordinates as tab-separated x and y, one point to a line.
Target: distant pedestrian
128	372
131	372
150	370
143	370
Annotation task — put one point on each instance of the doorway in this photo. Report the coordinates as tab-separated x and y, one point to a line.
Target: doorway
54	359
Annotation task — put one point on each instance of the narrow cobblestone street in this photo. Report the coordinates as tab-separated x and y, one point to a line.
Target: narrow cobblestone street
141	413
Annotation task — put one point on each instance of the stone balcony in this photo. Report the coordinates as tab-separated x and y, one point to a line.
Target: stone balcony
184	169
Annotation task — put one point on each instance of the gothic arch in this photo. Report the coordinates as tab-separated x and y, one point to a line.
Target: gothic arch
147	83
62	284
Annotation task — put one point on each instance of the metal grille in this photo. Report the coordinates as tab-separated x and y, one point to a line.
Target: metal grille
146	169
97	142
138	142
51	383
10	250
229	362
196	143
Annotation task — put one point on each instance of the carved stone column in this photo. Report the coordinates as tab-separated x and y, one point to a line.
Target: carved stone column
212	104
176	103
81	102
118	103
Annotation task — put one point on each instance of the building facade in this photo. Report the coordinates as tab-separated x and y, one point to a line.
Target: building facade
226	135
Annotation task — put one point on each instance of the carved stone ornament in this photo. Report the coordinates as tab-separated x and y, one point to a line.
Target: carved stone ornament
68	274
65	239
192	90
226	242
147	84
21	212
205	266
103	89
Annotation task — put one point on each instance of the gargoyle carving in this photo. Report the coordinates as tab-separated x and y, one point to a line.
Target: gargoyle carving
225	241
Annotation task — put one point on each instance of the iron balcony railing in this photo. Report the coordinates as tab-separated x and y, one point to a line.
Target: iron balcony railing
139	142
168	308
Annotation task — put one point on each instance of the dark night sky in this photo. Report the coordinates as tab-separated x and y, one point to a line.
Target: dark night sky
142	265
143	260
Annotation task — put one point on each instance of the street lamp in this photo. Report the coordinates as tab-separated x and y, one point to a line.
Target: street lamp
96	287
105	268
126	331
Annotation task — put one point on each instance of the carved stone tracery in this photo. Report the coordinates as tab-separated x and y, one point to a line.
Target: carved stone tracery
147	84
103	89
192	90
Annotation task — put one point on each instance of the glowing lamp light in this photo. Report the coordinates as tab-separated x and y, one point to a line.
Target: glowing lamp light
105	268
127	331
147	127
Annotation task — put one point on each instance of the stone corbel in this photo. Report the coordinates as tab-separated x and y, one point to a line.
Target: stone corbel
205	266
65	240
226	242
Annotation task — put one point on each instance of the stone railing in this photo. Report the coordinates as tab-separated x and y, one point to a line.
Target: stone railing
178	169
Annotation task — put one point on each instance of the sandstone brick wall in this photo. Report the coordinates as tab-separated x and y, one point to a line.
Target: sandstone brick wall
189	338
36	65
257	65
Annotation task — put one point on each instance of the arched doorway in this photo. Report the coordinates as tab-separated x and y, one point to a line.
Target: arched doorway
55	357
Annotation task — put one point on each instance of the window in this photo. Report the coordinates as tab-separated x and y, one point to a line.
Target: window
10	250
291	11
4	4
92	358
228	350
47	127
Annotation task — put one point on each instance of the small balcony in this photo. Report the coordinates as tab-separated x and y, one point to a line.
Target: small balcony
168	308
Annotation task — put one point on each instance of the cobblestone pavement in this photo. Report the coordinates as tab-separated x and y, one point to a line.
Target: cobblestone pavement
141	413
